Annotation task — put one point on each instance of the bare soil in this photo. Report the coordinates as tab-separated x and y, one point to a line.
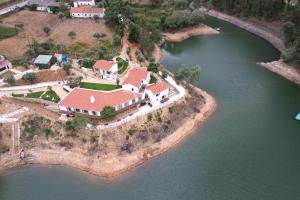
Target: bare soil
34	22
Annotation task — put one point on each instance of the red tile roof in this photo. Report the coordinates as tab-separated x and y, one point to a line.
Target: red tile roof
157	88
103	64
81	99
4	63
136	76
86	9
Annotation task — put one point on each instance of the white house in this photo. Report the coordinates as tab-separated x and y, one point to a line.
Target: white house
92	102
87	12
4	65
44	5
158	92
78	3
106	69
136	79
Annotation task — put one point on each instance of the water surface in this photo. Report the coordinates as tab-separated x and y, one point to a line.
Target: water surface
248	150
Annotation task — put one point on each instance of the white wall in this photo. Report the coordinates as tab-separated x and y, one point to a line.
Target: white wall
84	3
130	88
87	15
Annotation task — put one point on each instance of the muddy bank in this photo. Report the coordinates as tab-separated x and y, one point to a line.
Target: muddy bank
114	165
279	67
277	42
186	33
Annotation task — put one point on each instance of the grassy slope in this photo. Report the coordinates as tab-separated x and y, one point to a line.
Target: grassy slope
98	86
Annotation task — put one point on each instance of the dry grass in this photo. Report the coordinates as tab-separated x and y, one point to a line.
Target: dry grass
34	22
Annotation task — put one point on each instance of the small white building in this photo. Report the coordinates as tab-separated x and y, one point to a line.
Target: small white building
44	5
107	70
136	79
87	12
78	3
158	92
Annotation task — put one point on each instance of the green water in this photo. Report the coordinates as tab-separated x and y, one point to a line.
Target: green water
250	149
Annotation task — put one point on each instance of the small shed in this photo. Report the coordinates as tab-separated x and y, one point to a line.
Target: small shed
44	61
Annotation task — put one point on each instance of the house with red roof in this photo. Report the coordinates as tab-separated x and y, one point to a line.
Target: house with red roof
87	12
78	3
106	69
4	65
91	102
136	79
158	92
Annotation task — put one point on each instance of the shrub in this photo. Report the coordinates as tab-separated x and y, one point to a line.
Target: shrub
10	79
149	117
29	77
108	112
153	67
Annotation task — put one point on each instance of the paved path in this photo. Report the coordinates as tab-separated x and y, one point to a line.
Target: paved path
10	117
28	87
12	7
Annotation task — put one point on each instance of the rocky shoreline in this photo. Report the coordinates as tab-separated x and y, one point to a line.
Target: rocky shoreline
186	33
279	67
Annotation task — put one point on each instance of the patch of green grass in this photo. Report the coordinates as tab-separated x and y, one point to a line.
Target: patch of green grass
99	86
50	95
30	95
6	32
152	79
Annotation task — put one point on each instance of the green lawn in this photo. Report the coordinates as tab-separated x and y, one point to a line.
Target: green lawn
99	86
152	79
6	32
50	96
30	95
122	69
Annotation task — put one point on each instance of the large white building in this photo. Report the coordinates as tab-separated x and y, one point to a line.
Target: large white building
78	3
158	92
87	12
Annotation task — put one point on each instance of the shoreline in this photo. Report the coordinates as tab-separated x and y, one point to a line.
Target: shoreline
114	166
278	67
186	33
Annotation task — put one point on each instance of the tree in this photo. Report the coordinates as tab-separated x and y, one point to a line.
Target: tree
133	33
116	11
153	67
71	34
61	15
29	77
289	31
188	74
117	40
67	67
108	113
46	30
87	63
96	18
76	124
97	36
117	81
10	79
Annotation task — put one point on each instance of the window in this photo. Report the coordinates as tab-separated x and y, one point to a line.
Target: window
77	110
126	104
133	101
132	89
140	98
157	95
94	113
119	107
85	111
69	109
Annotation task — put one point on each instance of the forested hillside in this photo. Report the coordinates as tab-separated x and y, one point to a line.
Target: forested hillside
287	11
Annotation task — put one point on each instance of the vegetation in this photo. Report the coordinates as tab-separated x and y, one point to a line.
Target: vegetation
99	86
76	124
87	63
6	32
74	81
122	65
50	95
66	67
30	95
152	79
4	148
108	113
153	67
183	18
36	125
10	79
71	34
188	74
46	30
29	77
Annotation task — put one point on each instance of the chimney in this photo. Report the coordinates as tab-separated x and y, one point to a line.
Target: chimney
92	99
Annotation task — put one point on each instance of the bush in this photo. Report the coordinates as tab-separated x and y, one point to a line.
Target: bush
4	148
10	79
289	31
6	32
87	63
153	67
108	113
29	77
